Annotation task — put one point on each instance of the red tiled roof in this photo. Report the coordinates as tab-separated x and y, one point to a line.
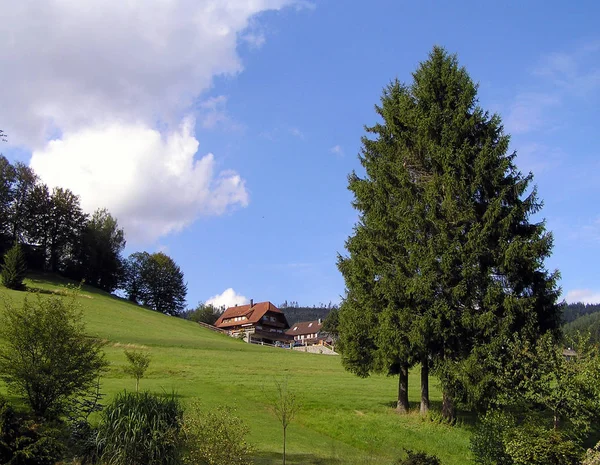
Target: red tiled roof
253	314
305	327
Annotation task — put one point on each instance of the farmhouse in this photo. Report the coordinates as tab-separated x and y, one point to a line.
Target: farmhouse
307	332
262	322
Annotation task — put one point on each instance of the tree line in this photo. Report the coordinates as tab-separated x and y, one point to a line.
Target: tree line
576	310
55	235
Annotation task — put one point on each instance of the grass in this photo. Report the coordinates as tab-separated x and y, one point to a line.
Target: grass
344	419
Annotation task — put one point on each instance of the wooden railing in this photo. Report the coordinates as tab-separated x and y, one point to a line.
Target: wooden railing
212	328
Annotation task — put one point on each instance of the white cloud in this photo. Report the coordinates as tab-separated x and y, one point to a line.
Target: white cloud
576	72
538	158
562	76
587	296
213	114
297	133
528	112
91	62
97	91
228	298
337	150
151	182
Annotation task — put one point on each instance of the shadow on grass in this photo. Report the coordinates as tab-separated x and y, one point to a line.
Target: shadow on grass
275	458
464	418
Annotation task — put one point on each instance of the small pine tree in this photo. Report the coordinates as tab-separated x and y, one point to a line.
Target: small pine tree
14	269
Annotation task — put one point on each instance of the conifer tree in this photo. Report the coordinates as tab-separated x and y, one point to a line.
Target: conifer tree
444	263
14	269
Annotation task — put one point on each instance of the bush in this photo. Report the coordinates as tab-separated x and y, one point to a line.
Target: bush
141	429
14	268
536	445
216	437
418	458
26	442
500	440
487	442
71	361
592	456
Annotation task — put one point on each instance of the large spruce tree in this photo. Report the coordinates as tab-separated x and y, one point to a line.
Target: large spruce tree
445	263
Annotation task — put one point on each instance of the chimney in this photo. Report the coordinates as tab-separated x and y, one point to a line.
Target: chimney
319	320
251	303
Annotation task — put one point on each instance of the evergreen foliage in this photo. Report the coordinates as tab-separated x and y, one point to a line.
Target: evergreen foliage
573	311
444	263
585	324
14	269
295	314
24	441
331	323
47	358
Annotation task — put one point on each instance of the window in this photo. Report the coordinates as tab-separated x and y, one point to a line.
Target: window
309	325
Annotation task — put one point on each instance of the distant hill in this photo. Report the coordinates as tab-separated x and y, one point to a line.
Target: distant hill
296	314
577	310
584	324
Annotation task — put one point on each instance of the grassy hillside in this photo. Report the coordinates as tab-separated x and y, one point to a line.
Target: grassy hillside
344	419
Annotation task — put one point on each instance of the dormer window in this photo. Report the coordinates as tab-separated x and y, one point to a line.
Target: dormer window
309	325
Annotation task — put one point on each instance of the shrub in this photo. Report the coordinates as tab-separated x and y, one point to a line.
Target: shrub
14	268
140	429
500	440
487	442
418	458
216	437
592	456
71	361
536	445
26	442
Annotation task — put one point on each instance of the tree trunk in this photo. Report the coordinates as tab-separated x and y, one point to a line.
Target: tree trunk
424	385
403	389
448	412
283	446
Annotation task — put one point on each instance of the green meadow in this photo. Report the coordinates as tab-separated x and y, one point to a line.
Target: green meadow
343	420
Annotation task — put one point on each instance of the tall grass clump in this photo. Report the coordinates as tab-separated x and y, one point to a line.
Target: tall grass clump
141	429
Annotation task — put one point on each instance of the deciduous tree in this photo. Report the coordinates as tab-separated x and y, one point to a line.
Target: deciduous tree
156	281
101	247
67	222
48	358
138	364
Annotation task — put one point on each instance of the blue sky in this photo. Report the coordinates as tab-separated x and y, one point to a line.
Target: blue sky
278	92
